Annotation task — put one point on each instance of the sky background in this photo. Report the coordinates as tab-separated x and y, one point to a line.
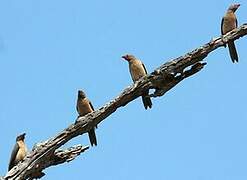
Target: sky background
50	49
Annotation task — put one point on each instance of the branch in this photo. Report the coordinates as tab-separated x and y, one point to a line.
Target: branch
162	80
58	157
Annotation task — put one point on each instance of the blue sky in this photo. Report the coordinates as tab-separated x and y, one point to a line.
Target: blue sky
50	49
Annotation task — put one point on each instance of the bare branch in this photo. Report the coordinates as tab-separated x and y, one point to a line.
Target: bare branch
60	156
162	79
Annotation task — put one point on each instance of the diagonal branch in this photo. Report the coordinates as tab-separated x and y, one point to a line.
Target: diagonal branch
60	156
162	80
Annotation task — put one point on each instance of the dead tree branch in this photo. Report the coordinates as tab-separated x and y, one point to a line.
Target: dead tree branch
60	156
162	80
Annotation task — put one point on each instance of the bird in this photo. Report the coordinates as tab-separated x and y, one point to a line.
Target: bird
19	151
228	23
137	71
83	107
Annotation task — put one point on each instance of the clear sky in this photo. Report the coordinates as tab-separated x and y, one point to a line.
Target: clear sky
50	49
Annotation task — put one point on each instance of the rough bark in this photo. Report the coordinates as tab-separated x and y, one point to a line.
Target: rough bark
58	157
162	80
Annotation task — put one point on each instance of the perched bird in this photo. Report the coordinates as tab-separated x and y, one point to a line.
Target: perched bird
228	23
83	107
137	71
19	151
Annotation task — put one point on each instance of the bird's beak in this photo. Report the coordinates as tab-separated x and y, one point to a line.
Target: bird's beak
22	135
125	57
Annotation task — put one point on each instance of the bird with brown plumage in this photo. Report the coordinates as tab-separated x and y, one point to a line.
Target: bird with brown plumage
228	23
137	71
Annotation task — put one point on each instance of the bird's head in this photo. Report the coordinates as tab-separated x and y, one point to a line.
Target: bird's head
21	137
128	57
233	7
81	94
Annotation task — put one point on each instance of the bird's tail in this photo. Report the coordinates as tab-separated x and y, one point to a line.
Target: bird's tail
233	51
146	100
92	137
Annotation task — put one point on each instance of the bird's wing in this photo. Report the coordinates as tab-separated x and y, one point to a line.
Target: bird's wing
77	108
91	105
222	22
144	68
96	124
236	22
13	155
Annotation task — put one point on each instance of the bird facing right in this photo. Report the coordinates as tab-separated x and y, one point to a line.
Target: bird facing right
19	151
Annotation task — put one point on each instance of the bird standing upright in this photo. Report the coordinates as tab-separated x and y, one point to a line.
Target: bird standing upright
83	107
19	151
137	71
228	23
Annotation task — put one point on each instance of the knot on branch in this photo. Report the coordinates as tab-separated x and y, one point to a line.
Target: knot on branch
60	156
165	81
69	154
